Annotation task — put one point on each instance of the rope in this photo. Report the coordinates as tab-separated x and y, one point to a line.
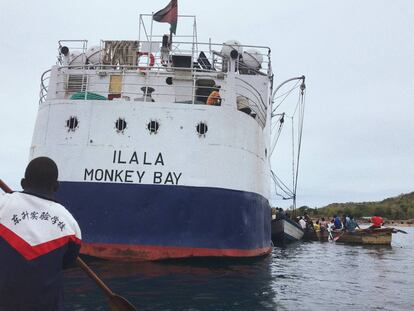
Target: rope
300	135
279	184
280	121
290	194
285	96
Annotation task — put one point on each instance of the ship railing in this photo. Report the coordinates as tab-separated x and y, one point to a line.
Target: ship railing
134	83
206	55
44	85
186	42
256	102
142	84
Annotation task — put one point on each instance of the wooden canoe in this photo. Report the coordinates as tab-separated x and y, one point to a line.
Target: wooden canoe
382	236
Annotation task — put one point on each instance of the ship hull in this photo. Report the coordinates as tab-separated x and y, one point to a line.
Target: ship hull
154	222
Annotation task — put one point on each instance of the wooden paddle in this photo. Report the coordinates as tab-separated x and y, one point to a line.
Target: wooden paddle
399	230
4	187
117	303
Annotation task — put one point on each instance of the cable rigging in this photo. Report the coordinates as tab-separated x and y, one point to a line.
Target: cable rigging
278	121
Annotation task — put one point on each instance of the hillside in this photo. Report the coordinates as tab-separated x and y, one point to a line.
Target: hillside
399	207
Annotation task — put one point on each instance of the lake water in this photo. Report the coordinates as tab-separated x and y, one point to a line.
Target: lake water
303	276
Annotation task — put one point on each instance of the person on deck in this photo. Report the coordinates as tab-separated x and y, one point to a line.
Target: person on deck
377	222
38	237
214	98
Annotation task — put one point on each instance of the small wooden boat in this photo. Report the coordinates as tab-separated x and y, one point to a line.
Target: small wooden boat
285	231
381	236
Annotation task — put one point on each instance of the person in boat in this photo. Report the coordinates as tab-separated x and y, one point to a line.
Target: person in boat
214	98
302	222
38	238
352	224
377	222
330	228
309	222
287	215
337	222
281	213
317	226
323	224
345	220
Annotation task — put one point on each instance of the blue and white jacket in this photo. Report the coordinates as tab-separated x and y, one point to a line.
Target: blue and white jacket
38	238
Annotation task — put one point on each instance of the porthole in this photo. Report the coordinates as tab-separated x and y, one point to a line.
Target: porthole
72	124
153	126
202	128
120	125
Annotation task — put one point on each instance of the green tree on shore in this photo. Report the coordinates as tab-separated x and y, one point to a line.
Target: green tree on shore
399	207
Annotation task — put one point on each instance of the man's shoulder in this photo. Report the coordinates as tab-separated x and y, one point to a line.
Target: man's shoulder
35	210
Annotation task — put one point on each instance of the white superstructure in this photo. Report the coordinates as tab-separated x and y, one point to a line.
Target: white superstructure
158	109
146	113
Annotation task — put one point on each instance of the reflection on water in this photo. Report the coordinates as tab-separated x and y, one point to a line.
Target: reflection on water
303	276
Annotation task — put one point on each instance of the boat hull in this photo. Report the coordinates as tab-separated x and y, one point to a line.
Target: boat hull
153	222
381	236
285	231
367	237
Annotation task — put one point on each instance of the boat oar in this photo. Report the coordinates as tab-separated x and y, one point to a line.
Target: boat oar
4	187
399	230
116	302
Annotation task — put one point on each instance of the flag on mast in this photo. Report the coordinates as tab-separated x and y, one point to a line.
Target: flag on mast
168	15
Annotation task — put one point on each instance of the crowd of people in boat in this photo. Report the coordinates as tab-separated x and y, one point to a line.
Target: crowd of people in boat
347	223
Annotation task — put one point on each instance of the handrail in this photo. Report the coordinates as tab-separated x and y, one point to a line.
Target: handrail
69	80
44	88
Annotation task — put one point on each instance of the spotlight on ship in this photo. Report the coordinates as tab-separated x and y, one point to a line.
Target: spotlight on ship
64	50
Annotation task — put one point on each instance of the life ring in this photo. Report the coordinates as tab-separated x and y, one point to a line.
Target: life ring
151	62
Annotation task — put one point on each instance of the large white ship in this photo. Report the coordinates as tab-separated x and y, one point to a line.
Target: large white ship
162	143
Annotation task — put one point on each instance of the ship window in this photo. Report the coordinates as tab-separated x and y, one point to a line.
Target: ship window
76	83
72	124
120	125
153	127
202	128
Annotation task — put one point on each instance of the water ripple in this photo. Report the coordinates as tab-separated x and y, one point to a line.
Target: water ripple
303	276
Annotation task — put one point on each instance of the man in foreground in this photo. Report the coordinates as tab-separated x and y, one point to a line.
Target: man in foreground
38	238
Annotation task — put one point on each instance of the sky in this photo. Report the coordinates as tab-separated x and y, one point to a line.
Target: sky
357	56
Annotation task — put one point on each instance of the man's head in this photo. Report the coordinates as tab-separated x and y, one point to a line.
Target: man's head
41	176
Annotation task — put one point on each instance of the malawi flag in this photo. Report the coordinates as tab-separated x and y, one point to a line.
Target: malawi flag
168	15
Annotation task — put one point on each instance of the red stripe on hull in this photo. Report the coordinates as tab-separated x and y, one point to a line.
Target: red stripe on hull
125	252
